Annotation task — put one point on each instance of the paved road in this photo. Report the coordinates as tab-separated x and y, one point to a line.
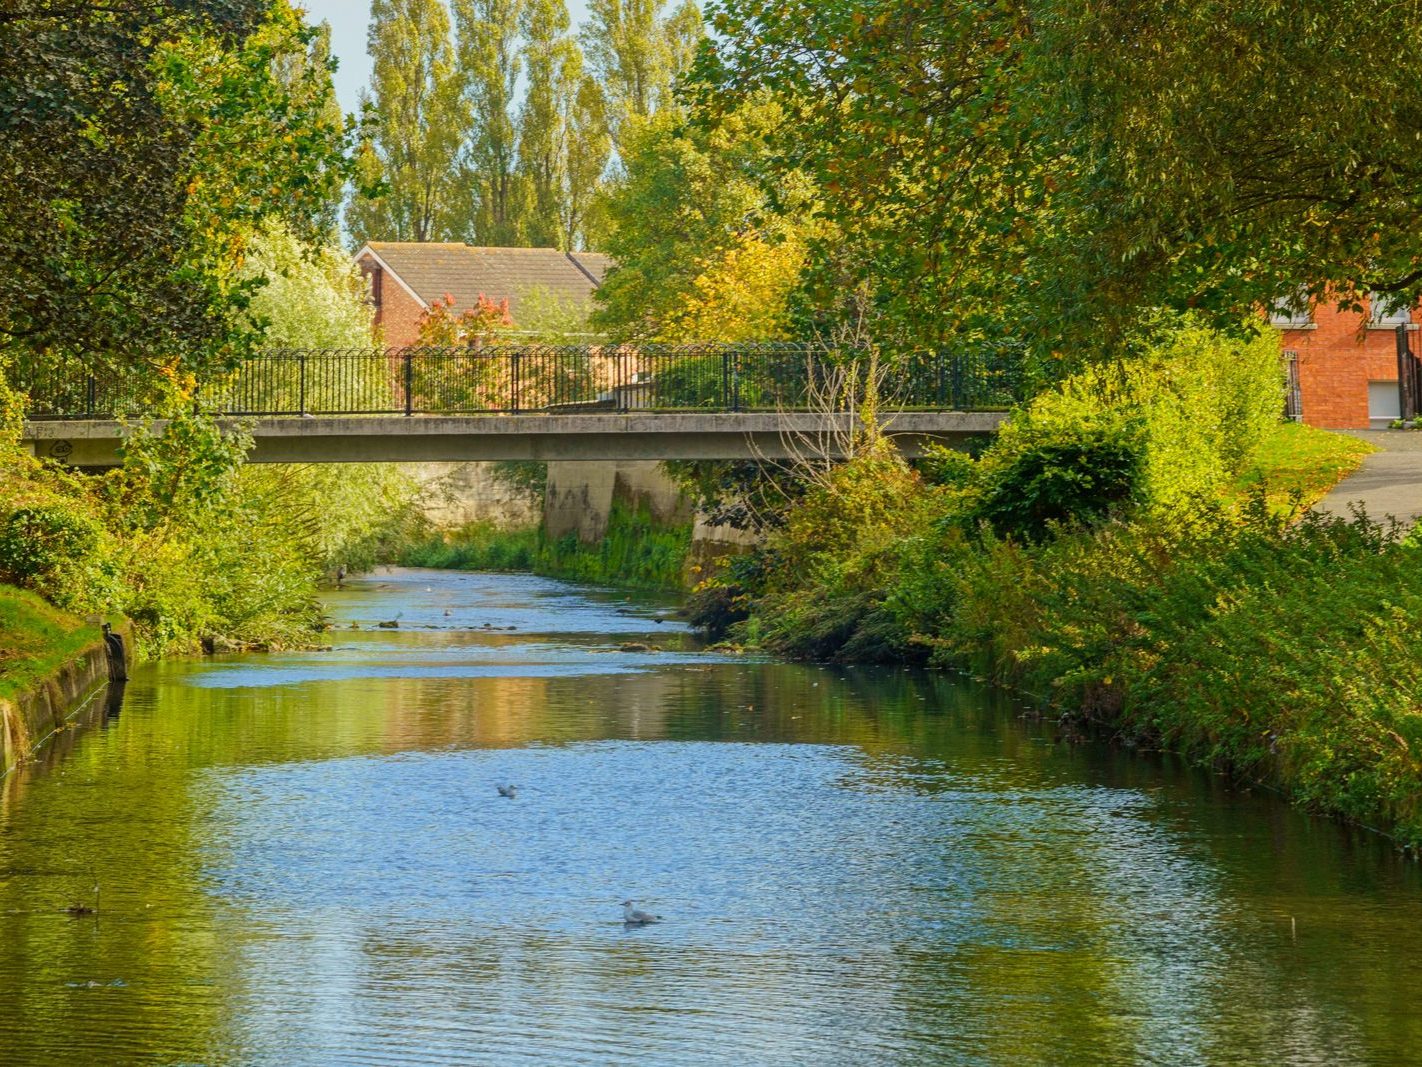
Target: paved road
1388	483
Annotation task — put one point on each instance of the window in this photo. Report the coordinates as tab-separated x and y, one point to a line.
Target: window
1291	312
1384	404
1388	311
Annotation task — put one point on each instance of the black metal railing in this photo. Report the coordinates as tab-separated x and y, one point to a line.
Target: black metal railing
527	378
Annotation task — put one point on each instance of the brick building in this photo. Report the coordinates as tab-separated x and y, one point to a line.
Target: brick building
406	277
1344	364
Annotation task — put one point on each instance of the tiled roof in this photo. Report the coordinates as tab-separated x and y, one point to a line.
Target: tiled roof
464	271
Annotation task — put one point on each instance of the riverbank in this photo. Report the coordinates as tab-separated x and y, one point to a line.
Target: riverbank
50	662
638	552
1136	555
198	549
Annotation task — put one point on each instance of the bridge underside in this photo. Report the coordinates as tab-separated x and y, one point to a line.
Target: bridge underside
398	439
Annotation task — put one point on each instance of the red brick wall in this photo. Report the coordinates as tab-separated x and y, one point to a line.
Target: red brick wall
1336	360
397	313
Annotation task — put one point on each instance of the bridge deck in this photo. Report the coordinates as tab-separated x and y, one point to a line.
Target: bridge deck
394	439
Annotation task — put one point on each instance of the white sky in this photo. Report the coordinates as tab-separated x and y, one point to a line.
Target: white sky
349	20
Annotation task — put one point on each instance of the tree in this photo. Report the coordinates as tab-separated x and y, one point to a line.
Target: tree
698	243
312	296
140	143
421	122
554	66
741	294
1048	168
489	63
587	147
636	55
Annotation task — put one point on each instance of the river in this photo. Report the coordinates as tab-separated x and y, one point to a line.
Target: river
303	859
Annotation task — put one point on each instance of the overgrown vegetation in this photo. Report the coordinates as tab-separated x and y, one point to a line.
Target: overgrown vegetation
638	552
197	550
1121	555
36	638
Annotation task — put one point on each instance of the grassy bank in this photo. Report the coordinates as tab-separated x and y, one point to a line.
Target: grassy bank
1297	463
637	553
36	639
1135	553
184	539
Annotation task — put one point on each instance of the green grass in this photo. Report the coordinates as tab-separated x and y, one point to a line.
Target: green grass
35	639
477	547
637	553
1295	461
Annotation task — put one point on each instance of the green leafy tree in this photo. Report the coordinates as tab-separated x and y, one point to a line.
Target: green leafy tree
490	61
421	121
587	147
1047	169
698	243
636	54
140	144
312	296
553	68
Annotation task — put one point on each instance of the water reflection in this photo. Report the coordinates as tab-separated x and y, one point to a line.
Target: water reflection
304	860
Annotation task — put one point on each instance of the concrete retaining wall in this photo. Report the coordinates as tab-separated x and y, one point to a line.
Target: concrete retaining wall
580	495
31	717
456	494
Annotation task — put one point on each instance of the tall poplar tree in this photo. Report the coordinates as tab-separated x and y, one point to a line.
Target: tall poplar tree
636	53
490	63
587	147
422	121
553	68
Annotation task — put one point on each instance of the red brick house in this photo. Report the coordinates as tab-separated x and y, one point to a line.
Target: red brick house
1344	364
407	277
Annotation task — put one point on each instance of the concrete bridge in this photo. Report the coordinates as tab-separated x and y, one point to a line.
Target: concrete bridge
544	402
543	437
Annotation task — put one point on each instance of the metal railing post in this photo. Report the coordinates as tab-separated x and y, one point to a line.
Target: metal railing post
735	380
301	377
957	381
513	378
409	382
92	403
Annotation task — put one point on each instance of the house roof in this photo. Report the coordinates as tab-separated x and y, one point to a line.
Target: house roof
430	270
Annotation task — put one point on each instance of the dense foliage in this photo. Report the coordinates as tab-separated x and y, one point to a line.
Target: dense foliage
637	552
702	250
1047	168
1100	558
499	130
141	144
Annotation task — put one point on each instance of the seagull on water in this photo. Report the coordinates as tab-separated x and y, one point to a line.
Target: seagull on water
509	790
633	917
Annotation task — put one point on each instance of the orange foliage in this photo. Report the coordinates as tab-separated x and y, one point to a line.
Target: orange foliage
480	324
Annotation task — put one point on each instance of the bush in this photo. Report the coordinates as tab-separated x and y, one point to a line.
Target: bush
50	549
1197	403
638	552
1098	558
1071	480
1175	634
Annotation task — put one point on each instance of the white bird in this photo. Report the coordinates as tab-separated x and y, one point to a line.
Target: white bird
509	791
632	917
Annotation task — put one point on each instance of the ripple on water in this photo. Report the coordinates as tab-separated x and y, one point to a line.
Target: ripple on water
808	893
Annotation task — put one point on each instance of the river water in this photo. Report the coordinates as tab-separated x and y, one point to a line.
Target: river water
303	859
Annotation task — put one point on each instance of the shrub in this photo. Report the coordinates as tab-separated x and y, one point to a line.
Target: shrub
50	549
1198	402
1072	479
